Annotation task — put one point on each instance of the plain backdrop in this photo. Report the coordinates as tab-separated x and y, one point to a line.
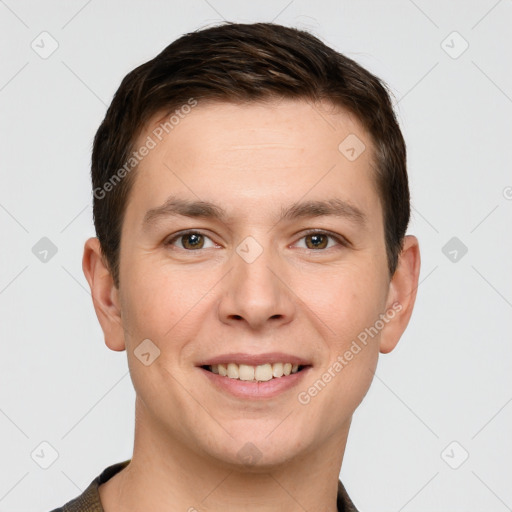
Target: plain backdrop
434	432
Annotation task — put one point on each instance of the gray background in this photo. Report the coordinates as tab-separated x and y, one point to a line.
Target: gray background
449	378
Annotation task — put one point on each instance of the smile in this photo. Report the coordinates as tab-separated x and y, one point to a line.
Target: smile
259	373
243	381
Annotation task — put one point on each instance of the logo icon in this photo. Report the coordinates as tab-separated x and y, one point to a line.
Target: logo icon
351	147
146	352
249	454
454	249
454	45
44	455
44	45
249	249
455	455
44	250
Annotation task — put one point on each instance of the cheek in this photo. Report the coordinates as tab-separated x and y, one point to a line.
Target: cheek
161	302
158	305
349	309
346	299
146	306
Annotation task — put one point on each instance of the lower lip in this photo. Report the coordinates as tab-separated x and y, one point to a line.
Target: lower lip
255	390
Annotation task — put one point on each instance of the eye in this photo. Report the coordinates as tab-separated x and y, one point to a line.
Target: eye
315	240
190	241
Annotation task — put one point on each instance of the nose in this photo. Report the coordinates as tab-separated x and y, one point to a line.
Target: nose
256	293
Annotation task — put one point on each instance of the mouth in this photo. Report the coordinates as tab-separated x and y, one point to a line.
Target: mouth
261	377
255	373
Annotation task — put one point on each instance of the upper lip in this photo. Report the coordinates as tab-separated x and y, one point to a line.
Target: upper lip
254	359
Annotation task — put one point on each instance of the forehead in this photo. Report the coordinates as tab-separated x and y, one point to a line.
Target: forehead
278	151
270	126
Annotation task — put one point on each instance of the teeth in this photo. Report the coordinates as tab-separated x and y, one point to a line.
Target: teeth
245	372
233	371
277	370
260	373
263	372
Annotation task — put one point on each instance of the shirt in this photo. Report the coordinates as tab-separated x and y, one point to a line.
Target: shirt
89	500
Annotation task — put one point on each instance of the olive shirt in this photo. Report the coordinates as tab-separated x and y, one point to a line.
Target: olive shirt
89	501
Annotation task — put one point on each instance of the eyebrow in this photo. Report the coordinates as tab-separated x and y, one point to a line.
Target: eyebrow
174	206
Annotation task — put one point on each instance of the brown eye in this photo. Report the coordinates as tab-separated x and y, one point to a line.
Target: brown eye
192	241
316	241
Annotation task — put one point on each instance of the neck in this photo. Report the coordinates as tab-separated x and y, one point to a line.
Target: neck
167	474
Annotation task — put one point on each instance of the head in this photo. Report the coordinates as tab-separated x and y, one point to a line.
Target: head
285	163
235	63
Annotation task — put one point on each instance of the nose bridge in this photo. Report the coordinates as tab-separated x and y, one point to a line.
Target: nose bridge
255	291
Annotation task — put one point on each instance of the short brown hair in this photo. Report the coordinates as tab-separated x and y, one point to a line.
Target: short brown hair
235	62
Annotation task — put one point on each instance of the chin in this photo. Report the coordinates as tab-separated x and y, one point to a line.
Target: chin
257	454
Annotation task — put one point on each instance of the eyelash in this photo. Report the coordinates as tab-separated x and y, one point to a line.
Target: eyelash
338	238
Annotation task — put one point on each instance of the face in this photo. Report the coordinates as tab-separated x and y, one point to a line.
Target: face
285	264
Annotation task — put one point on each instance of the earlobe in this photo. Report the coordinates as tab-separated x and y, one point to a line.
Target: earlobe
402	294
104	294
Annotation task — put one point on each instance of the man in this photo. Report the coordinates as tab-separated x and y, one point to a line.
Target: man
250	204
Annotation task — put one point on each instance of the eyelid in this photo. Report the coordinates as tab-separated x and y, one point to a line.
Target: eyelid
340	239
176	236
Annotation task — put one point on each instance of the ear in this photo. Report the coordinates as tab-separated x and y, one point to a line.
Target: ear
105	296
402	294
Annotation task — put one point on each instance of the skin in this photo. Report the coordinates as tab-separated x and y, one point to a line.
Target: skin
194	304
